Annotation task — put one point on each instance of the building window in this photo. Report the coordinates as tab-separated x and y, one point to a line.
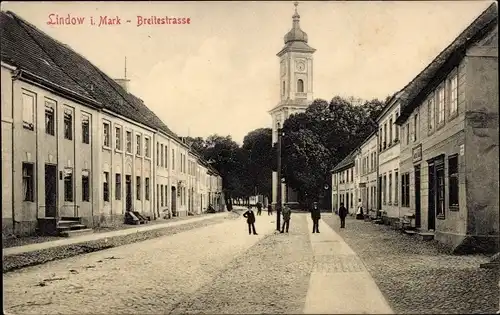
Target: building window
146	188
138	144
173	159
453	94
300	86
106	131
405	190
440	189
283	88
85	185
138	187
161	195
105	187
28	111
162	161
407	131
68	124
352	175
384	143
28	182
147	148
396	129
453	181
129	141
384	189
118	186
396	188
440	105
68	184
390	131
49	118
432	110
166	156
157	154
85	129
415	127
390	188
118	138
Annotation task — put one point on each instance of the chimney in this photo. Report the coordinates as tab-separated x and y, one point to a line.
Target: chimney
123	83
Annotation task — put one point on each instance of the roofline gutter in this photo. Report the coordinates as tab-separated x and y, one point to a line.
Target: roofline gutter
112	113
10	67
32	78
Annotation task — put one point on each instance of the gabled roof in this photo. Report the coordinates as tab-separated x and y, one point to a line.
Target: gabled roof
347	162
417	89
29	49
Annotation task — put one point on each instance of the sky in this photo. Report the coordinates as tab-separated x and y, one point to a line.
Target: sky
220	73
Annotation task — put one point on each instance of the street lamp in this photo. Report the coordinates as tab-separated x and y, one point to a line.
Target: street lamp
278	204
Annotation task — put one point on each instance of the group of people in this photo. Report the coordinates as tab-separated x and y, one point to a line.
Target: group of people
286	214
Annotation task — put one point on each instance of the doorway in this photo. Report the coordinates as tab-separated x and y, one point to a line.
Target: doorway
50	190
174	200
417	197
432	198
379	194
128	192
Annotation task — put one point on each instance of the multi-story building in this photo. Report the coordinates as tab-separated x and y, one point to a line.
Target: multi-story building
449	151
296	84
388	159
76	143
367	162
343	183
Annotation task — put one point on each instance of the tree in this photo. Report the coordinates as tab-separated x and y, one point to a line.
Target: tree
317	140
258	147
197	144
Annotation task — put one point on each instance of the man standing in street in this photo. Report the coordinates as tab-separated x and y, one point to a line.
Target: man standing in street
315	215
269	209
259	208
286	219
250	215
342	215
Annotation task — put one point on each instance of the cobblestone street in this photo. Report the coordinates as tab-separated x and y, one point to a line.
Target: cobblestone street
222	269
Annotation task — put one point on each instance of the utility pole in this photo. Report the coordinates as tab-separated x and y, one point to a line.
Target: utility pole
278	203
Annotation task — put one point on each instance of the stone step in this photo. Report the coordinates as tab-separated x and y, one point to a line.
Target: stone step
72	233
426	236
409	232
67	222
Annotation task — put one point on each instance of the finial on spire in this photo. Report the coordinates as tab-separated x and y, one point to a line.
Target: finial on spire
296	15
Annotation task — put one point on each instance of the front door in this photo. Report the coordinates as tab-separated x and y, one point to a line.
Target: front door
174	200
379	194
50	190
128	192
432	198
417	197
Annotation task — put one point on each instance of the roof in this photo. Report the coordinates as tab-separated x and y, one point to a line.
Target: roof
29	49
347	162
418	88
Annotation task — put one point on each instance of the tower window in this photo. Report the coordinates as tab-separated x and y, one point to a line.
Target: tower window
283	89
300	86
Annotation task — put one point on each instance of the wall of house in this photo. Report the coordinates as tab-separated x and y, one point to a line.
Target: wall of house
388	159
163	167
368	174
7	149
481	144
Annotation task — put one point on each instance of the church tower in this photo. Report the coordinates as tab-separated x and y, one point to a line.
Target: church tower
296	89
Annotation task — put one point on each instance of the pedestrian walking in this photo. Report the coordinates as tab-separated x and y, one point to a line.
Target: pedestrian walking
250	215
342	215
315	216
269	209
259	208
287	212
359	212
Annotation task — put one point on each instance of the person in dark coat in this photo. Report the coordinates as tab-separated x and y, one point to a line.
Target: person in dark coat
342	215
269	209
315	216
250	215
259	208
286	219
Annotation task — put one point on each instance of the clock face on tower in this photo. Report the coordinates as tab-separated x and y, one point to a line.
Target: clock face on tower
301	66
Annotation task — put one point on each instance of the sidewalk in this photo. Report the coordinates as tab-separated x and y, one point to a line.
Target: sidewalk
340	283
97	236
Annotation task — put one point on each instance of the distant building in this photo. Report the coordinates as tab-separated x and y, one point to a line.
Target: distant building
343	183
449	151
296	84
367	167
78	146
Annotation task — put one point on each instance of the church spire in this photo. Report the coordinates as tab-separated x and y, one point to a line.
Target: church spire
296	34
